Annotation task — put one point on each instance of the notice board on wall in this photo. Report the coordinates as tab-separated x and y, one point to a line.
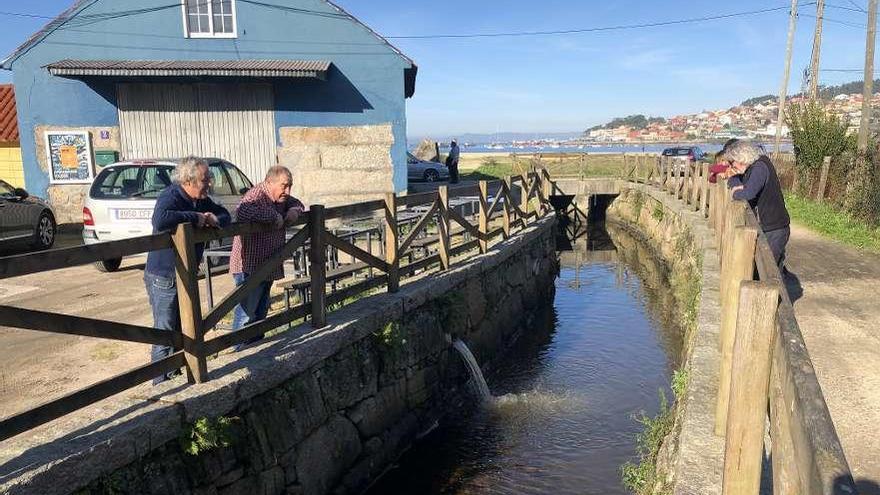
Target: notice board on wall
69	156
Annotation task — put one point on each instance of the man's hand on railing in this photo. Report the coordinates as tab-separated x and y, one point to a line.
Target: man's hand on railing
208	220
292	215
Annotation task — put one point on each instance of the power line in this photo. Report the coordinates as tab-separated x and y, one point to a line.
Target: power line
838	21
595	29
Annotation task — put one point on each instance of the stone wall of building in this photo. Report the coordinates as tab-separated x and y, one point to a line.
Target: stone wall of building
309	411
67	199
338	165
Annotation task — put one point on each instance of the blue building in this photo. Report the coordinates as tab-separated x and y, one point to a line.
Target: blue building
258	82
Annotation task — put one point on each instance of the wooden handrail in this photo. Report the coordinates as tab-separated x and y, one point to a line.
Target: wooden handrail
56	408
53	259
254	279
31	319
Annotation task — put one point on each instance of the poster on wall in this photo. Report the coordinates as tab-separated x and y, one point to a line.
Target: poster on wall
69	156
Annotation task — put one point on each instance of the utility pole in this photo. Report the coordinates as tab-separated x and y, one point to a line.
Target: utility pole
868	90
817	48
783	88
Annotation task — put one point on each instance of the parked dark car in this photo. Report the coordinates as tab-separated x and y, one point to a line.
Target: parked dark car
417	170
683	155
25	219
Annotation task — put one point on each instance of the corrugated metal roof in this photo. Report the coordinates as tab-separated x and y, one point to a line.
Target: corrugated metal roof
216	68
8	115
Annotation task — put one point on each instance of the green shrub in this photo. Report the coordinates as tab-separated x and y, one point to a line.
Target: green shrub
816	134
208	434
640	478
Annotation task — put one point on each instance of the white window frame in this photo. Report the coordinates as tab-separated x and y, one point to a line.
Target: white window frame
212	34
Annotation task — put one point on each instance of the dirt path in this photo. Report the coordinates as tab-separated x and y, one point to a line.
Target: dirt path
838	314
39	366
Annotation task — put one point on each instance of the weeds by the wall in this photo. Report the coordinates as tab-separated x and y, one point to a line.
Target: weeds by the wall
641	478
208	434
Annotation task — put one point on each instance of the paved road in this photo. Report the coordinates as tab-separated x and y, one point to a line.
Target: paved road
838	314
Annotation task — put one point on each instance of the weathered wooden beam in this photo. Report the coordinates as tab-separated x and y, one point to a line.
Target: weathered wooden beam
419	226
484	217
254	279
443	227
354	210
474	231
318	267
48	411
391	242
749	391
43	321
187	272
53	259
255	329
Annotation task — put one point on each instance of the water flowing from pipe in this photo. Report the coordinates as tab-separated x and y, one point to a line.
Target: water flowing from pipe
477	375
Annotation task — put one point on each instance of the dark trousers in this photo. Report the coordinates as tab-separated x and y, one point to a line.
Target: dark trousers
253	308
778	239
453	172
162	292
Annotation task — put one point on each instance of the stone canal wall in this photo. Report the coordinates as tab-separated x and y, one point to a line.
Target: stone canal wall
306	412
690	459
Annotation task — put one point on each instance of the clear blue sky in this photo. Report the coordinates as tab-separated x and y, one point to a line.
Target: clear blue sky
571	82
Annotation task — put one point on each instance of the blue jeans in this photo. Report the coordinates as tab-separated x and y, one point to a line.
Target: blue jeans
162	292
252	308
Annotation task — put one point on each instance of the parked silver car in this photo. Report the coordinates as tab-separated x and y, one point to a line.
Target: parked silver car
122	197
417	170
25	219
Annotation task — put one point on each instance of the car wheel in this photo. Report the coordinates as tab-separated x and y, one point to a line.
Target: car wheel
44	235
110	265
431	175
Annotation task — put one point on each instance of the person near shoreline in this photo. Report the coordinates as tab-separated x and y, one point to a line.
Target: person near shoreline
269	202
452	161
186	201
756	182
721	166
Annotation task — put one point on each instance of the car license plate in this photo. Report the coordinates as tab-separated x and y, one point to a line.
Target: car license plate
132	214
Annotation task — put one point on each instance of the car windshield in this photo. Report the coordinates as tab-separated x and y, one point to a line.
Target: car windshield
131	181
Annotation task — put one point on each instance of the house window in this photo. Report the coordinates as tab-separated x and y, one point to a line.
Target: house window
209	18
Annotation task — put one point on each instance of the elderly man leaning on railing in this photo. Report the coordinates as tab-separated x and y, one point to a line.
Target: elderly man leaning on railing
186	201
755	181
269	202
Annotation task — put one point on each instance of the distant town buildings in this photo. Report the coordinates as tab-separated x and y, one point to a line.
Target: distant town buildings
754	122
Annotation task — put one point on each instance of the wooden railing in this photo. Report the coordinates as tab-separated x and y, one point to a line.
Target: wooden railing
191	350
764	361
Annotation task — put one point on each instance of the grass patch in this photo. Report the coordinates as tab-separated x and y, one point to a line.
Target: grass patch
104	352
208	434
640	478
833	223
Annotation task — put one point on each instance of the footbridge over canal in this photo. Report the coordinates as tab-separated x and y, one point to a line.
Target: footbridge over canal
367	367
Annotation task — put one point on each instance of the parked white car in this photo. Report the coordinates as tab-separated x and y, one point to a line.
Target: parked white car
122	197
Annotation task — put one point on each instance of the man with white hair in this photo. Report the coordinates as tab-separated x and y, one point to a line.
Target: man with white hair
269	202
185	201
756	182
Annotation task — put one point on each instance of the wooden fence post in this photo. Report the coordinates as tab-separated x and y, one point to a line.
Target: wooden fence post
484	216
823	179
739	267
318	268
669	182
392	242
625	166
443	226
505	211
524	198
704	183
684	193
743	452
187	273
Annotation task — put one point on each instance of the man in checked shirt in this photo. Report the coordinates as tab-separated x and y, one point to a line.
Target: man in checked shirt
268	202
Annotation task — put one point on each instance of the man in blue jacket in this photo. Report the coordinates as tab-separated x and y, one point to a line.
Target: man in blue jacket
756	182
184	201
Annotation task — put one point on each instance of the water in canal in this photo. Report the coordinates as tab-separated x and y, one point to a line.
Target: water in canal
566	393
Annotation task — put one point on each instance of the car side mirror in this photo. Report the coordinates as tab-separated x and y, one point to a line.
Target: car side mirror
21	193
243	190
